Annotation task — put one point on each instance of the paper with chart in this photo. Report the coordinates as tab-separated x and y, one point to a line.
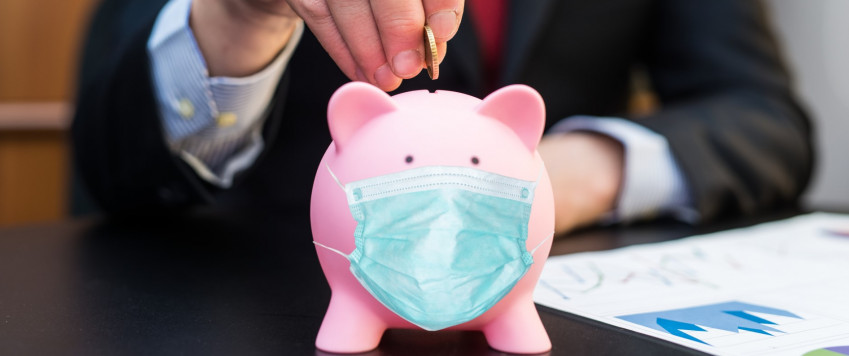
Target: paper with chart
779	288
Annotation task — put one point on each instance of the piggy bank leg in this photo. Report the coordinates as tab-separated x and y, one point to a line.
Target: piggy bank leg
349	326
518	330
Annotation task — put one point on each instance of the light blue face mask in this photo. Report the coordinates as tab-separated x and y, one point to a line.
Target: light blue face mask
439	246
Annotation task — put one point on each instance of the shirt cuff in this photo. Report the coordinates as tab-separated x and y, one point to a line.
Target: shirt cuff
652	183
214	124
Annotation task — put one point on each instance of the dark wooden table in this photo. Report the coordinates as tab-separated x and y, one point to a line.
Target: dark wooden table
245	283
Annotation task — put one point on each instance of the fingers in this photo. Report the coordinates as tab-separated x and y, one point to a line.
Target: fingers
316	14
379	41
443	17
401	24
356	25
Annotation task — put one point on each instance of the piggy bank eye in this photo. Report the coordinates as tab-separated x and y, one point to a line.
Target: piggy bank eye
409	159
475	160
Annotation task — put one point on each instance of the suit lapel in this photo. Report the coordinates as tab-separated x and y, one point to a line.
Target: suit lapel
525	19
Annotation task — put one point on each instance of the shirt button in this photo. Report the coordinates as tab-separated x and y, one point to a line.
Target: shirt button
186	109
226	119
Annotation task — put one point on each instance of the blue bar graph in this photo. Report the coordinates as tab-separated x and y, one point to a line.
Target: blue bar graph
729	316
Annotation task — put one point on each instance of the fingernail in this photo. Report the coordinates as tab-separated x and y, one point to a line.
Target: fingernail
443	24
385	79
361	76
407	64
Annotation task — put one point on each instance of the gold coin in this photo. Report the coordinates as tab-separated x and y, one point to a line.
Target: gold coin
431	57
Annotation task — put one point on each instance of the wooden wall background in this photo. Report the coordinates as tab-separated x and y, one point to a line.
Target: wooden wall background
39	43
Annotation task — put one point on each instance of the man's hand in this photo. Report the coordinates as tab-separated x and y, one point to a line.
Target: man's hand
380	41
376	41
586	172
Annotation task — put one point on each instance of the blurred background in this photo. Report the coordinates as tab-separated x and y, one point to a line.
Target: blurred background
39	43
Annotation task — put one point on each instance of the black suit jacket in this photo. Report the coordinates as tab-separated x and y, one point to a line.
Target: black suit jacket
728	112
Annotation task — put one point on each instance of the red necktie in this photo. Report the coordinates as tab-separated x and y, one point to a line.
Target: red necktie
489	17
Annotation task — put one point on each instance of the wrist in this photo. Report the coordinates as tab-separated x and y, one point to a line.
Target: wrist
238	38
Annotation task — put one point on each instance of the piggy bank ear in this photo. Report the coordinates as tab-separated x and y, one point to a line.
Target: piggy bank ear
352	106
521	108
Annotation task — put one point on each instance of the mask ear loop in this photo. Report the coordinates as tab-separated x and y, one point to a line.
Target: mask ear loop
330	248
539	176
334	176
541	170
534	250
343	188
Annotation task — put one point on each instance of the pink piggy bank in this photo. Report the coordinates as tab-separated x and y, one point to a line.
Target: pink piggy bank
432	211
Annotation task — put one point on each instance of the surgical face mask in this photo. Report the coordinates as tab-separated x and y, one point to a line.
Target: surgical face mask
437	245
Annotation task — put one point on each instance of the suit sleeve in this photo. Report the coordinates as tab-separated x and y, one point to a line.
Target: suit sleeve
728	112
118	142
